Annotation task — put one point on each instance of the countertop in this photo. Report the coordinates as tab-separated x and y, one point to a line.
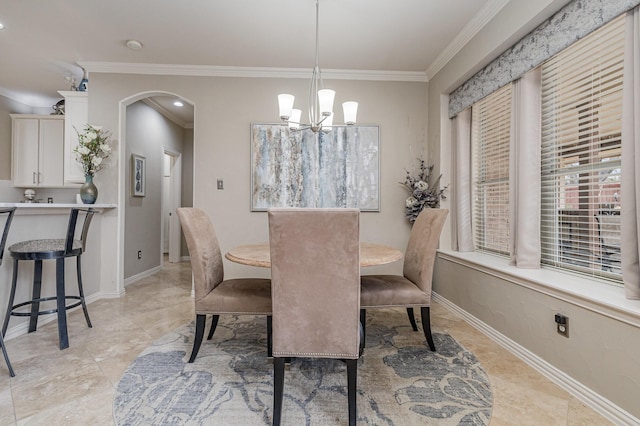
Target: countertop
53	208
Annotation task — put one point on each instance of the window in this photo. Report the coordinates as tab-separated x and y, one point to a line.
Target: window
581	164
491	127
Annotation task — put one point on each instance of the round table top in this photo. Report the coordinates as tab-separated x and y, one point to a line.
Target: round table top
371	254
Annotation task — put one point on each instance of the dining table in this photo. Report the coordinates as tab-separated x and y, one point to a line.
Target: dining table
258	254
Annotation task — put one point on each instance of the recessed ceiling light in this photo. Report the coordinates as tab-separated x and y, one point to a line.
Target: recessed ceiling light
134	44
1	26
178	103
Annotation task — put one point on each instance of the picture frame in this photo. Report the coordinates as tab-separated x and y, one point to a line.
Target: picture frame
138	178
335	169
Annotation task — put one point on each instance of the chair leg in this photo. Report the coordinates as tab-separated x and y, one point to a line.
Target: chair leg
269	336
426	327
63	336
363	323
214	324
278	387
81	291
197	340
352	380
6	357
35	295
412	319
12	296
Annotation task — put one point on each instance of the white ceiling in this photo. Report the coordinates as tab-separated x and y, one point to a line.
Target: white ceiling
43	42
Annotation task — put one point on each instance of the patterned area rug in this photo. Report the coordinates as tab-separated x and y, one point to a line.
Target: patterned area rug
400	382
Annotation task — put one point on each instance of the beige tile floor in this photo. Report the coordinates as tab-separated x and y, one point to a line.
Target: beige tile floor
76	386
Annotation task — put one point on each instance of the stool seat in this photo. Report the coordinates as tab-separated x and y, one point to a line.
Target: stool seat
47	249
44	249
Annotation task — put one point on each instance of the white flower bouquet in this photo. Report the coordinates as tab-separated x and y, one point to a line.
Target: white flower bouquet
93	148
422	193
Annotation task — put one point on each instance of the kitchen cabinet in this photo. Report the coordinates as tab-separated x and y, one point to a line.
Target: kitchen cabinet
76	117
37	150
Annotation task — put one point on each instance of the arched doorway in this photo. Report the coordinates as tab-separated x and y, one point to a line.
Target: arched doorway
148	130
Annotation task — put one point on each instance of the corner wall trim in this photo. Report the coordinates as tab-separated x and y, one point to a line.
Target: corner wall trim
599	403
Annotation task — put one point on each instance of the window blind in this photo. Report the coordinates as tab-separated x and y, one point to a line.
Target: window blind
581	148
491	128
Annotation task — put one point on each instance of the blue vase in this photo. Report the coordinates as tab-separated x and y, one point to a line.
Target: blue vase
88	191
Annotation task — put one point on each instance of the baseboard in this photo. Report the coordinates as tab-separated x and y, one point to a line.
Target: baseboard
23	328
141	275
592	399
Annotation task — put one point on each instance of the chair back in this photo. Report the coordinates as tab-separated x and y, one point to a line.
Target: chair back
71	229
204	251
315	282
420	255
7	224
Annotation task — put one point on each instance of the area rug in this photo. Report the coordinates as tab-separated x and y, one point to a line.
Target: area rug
400	381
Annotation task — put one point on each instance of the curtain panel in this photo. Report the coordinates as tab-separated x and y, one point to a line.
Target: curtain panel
462	235
524	171
630	185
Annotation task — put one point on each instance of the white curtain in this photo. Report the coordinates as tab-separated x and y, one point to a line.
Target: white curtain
524	171
630	202
462	237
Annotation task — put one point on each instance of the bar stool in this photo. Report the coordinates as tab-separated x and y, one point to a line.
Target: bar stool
58	249
9	212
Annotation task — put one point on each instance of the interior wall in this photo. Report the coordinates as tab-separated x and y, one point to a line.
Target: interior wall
187	180
225	108
147	132
600	350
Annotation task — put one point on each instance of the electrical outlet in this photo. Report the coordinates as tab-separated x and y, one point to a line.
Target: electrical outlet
562	325
139	254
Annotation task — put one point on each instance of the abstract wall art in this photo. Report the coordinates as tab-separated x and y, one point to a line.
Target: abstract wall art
339	168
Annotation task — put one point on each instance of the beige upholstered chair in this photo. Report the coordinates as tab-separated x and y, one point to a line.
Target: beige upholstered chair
213	294
315	274
413	289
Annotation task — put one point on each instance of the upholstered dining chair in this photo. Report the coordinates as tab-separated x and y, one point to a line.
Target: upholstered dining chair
3	240
315	275
413	288
49	249
213	294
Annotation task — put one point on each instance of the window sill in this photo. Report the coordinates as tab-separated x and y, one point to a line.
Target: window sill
592	294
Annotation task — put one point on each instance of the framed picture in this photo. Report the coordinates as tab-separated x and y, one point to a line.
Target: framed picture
138	180
339	168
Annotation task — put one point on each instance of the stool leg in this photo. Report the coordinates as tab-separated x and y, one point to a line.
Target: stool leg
6	357
35	297
12	296
81	291
61	302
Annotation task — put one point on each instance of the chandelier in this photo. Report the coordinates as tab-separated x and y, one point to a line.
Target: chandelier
320	101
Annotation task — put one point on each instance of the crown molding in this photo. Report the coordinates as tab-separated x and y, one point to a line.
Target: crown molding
249	72
482	18
166	113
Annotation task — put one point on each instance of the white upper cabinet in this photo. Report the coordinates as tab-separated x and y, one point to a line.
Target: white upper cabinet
37	147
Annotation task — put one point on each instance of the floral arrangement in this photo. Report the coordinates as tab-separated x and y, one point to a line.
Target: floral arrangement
422	192
93	148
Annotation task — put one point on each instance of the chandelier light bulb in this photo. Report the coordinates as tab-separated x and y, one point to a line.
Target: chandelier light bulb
325	101
294	121
285	103
350	110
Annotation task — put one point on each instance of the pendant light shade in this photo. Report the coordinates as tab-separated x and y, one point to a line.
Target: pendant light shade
320	100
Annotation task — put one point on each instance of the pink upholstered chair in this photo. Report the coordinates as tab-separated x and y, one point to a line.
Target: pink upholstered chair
213	294
315	275
413	289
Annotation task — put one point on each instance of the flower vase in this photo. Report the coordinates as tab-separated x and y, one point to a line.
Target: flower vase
88	191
